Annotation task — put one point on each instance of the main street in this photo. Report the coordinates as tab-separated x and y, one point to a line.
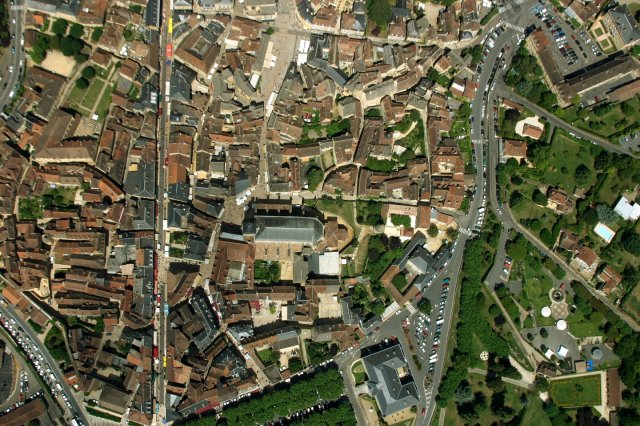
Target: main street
163	130
12	62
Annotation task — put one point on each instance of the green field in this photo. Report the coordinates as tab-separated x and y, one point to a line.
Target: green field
267	356
607	125
576	391
564	156
103	105
358	372
536	287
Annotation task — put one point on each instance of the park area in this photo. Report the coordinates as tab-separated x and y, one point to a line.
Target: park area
359	373
576	391
476	403
609	120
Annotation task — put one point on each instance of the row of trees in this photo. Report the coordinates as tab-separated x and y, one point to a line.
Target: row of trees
476	262
322	386
339	415
70	44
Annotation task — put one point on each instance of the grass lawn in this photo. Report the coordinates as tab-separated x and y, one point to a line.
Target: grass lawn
610	119
534	414
358	372
565	156
527	209
477	381
584	328
536	289
266	356
92	93
631	302
103	105
576	391
407	422
76	95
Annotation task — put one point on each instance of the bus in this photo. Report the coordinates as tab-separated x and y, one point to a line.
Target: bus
166	309
164	361
170	24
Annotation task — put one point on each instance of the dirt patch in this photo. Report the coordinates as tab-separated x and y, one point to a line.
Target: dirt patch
58	63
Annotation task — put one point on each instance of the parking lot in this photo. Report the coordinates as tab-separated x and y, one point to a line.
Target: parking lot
428	328
575	49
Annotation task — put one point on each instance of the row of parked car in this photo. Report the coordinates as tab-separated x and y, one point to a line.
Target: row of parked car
33	352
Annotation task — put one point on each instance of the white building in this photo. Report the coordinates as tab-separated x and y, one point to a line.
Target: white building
628	210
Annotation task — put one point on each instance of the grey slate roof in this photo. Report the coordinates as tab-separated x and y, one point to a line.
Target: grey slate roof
141	182
626	23
392	392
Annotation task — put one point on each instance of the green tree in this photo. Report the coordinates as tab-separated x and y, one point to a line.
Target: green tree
631	242
379	11
539	198
401	220
315	175
59	27
88	72
432	231
127	34
424	306
76	31
96	34
82	83
582	175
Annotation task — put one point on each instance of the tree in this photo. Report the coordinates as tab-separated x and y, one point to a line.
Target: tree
582	175
127	34
541	384
88	72
631	242
515	199
432	231
424	306
401	220
605	213
379	11
59	27
544	333
627	109
96	34
76	31
590	217
464	393
539	198
82	83
315	175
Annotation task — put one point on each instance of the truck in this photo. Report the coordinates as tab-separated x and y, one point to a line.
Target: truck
155	352
166	309
169	50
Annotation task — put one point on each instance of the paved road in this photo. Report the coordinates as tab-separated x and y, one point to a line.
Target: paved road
162	203
555	121
76	409
15	60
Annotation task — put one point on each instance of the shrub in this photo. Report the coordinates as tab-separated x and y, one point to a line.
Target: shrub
82	83
88	72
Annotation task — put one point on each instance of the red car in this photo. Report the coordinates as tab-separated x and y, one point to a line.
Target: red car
424	411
